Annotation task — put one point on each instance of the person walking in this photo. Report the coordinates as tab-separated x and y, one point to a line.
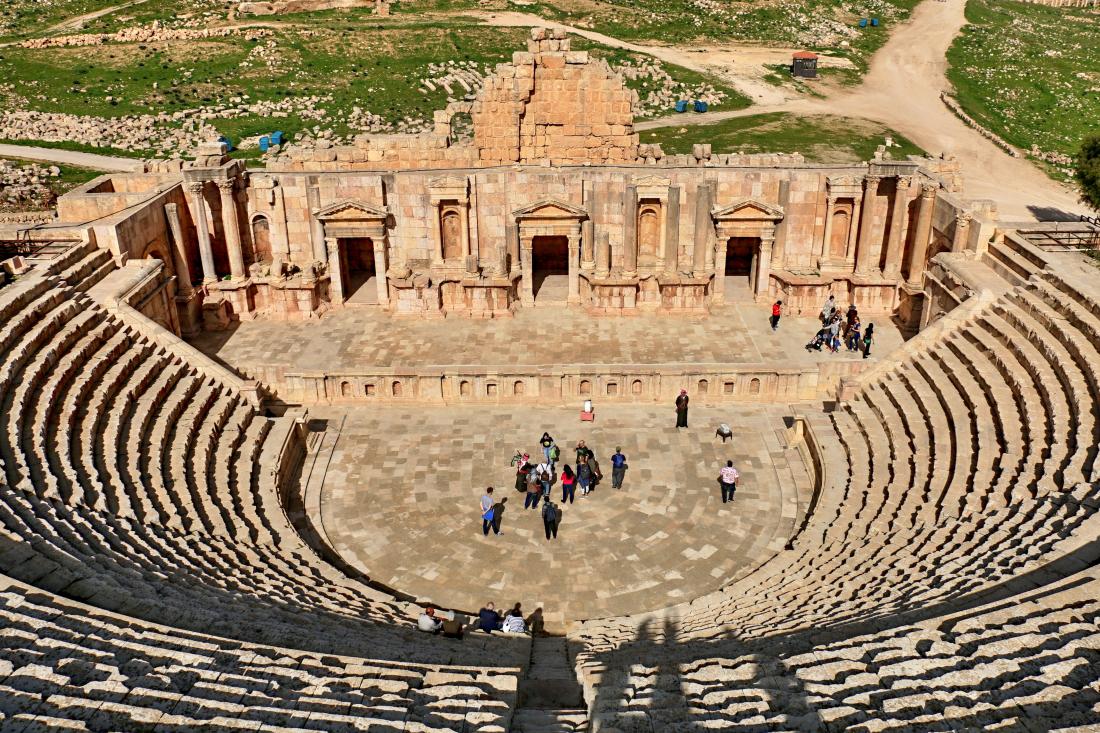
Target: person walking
550	519
534	491
584	476
868	339
618	468
568	484
777	313
682	409
547	443
727	478
487	512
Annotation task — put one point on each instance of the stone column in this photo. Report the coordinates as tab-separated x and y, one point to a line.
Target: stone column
316	226
827	239
381	280
764	264
574	267
672	229
864	264
853	230
335	272
511	236
603	255
718	292
962	231
588	245
899	223
464	222
526	246
630	232
206	252
704	225
179	256
923	234
231	228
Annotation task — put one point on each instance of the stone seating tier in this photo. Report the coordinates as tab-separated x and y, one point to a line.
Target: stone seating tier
959	478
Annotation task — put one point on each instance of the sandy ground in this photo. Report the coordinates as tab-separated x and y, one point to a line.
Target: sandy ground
71	157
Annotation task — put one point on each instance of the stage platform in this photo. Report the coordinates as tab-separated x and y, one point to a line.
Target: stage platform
551	354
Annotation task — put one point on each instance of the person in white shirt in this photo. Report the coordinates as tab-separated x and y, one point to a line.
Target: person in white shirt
727	478
428	622
545	472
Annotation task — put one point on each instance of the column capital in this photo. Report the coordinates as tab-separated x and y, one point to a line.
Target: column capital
871	179
963	217
193	187
905	181
332	244
928	190
831	198
226	187
766	242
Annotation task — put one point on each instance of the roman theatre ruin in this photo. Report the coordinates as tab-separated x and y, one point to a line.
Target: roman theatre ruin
247	411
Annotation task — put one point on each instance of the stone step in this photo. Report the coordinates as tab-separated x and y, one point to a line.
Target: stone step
527	720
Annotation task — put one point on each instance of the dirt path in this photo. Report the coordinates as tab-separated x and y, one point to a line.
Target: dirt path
79	20
91	161
900	90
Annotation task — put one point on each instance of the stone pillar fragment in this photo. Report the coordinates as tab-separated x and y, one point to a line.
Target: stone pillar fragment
962	231
827	238
526	258
864	263
603	255
718	293
316	226
672	229
179	255
898	225
381	280
923	235
630	232
704	227
198	212
336	273
231	228
574	296
764	265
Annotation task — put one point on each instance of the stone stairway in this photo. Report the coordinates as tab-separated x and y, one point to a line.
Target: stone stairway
550	700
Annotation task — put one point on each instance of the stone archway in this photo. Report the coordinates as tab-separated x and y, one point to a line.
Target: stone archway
750	225
553	223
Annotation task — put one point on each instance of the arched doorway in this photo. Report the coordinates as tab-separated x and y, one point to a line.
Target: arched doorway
550	269
359	272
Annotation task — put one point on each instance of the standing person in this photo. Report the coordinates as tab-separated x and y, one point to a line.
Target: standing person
584	476
555	454
682	409
834	334
583	451
868	339
550	519
851	317
488	620
618	468
547	443
854	337
545	473
523	467
727	478
568	484
534	491
487	511
777	313
828	309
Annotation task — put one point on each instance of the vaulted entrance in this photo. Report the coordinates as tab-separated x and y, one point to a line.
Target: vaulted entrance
357	255
550	269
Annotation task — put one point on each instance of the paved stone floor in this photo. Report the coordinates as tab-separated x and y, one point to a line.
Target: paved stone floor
361	337
400	500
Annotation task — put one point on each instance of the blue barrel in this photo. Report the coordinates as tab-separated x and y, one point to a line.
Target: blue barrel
277	137
874	22
862	22
682	106
265	143
700	105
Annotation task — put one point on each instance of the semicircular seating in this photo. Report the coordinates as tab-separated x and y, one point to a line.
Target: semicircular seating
948	577
149	576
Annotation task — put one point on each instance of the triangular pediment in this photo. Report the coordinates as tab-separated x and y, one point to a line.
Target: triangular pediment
351	210
550	209
748	209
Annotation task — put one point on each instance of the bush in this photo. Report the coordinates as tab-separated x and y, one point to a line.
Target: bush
1087	171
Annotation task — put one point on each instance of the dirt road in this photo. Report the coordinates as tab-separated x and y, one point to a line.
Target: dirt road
91	161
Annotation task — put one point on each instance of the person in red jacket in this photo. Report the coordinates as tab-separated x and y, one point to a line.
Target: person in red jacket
777	311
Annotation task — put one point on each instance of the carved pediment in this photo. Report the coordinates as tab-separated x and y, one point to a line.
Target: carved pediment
351	210
550	209
747	209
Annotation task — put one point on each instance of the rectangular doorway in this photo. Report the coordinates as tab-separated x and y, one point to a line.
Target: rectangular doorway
550	269
740	267
360	286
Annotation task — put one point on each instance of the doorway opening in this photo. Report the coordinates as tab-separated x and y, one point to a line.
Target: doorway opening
359	274
550	269
740	267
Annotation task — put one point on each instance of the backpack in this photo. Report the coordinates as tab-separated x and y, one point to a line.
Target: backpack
554	452
550	513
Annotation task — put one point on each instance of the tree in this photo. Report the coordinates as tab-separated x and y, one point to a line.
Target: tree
1088	171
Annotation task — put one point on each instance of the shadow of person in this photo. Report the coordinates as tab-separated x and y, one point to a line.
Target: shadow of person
535	623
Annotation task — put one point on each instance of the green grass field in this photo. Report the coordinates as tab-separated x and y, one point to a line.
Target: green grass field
1030	73
821	138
